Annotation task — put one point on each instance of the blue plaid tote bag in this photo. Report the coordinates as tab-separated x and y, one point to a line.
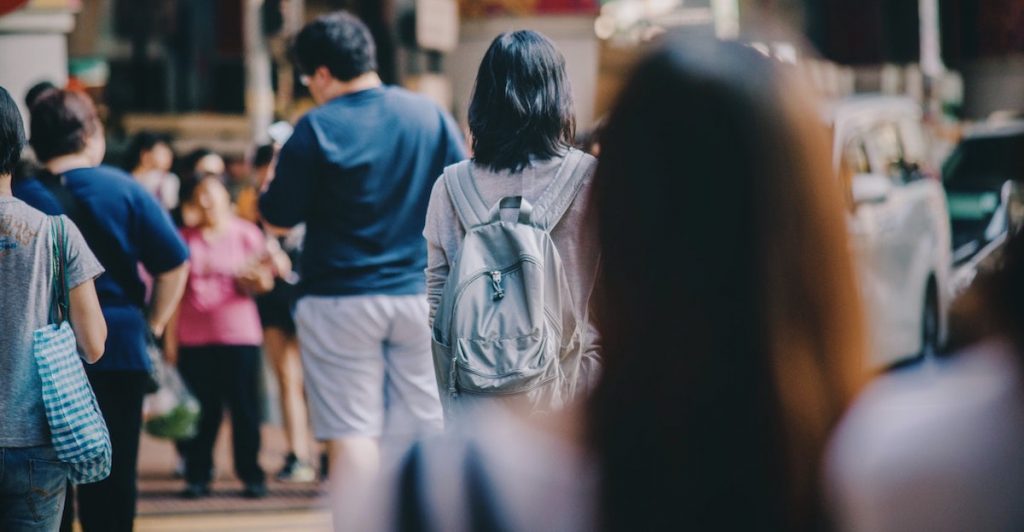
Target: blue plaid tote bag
77	429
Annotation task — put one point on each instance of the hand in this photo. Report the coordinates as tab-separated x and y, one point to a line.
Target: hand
256	280
157	329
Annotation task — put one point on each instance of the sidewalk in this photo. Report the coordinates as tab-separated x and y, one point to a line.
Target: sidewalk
287	506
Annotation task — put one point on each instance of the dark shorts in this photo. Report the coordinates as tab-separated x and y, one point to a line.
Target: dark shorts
276	307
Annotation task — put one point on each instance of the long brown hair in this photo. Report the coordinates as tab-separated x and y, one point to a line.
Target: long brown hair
727	303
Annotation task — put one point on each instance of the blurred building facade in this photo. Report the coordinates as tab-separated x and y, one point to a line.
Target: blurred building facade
216	72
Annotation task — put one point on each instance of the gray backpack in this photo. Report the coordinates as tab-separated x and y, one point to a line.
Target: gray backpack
506	324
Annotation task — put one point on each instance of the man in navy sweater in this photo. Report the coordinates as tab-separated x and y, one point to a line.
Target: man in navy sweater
358	171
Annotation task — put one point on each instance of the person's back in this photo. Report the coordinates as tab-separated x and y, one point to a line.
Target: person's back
25	267
125	227
358	172
364	195
522	118
723	370
32	485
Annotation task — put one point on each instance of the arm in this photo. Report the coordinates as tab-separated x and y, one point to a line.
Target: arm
164	254
438	266
167	291
171	343
87	321
287	199
437	277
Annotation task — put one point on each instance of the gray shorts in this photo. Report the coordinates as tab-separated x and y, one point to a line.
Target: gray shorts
368	366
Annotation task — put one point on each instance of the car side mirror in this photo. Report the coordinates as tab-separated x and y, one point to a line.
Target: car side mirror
870	188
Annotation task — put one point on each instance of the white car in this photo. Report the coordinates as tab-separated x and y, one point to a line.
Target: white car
899	224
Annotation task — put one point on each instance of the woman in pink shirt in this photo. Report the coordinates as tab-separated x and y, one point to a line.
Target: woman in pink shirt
219	333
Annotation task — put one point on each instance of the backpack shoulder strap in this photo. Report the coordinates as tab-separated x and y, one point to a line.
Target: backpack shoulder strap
554	202
466	198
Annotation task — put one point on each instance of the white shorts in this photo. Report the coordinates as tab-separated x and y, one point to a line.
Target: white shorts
368	366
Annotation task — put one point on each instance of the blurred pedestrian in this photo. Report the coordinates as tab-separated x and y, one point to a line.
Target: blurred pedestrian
199	163
522	122
279	339
24	184
729	317
218	331
33	484
939	448
124	226
358	170
149	160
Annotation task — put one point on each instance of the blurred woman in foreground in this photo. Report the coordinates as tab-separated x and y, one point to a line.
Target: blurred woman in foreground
724	371
943	449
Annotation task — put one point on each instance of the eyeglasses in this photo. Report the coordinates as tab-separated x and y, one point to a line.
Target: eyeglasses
304	80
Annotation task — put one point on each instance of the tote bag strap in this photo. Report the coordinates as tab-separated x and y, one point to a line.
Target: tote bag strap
59	303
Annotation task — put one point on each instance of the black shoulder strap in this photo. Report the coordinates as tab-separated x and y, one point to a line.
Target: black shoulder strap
86	222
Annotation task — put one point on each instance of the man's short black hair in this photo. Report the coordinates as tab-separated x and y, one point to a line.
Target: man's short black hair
338	41
522	105
12	133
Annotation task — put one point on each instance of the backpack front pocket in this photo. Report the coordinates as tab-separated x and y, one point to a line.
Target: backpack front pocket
504	365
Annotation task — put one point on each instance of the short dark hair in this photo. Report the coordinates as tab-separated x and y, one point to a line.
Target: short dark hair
339	41
263	155
37	90
12	133
522	104
142	142
61	121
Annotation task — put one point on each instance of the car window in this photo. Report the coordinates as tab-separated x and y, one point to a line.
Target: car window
889	152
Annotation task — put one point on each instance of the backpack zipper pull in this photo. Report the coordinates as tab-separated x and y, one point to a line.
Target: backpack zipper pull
499	292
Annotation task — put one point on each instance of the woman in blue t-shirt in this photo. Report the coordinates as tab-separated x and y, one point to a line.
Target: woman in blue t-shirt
125	226
33	483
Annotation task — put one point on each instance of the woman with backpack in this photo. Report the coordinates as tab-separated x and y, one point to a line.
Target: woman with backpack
723	370
33	480
522	121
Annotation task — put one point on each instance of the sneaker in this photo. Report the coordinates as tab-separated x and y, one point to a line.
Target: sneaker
195	491
290	461
296	471
256	490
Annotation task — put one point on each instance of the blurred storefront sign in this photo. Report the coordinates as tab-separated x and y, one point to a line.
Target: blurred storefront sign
484	8
7	6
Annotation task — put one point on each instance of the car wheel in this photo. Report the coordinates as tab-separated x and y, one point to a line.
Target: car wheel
930	324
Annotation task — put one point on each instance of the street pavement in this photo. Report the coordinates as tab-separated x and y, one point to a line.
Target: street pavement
287	506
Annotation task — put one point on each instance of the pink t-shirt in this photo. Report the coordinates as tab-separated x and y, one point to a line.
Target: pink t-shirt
214	311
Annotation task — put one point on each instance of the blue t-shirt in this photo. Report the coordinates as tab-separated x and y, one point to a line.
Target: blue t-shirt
358	171
33	192
124	226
